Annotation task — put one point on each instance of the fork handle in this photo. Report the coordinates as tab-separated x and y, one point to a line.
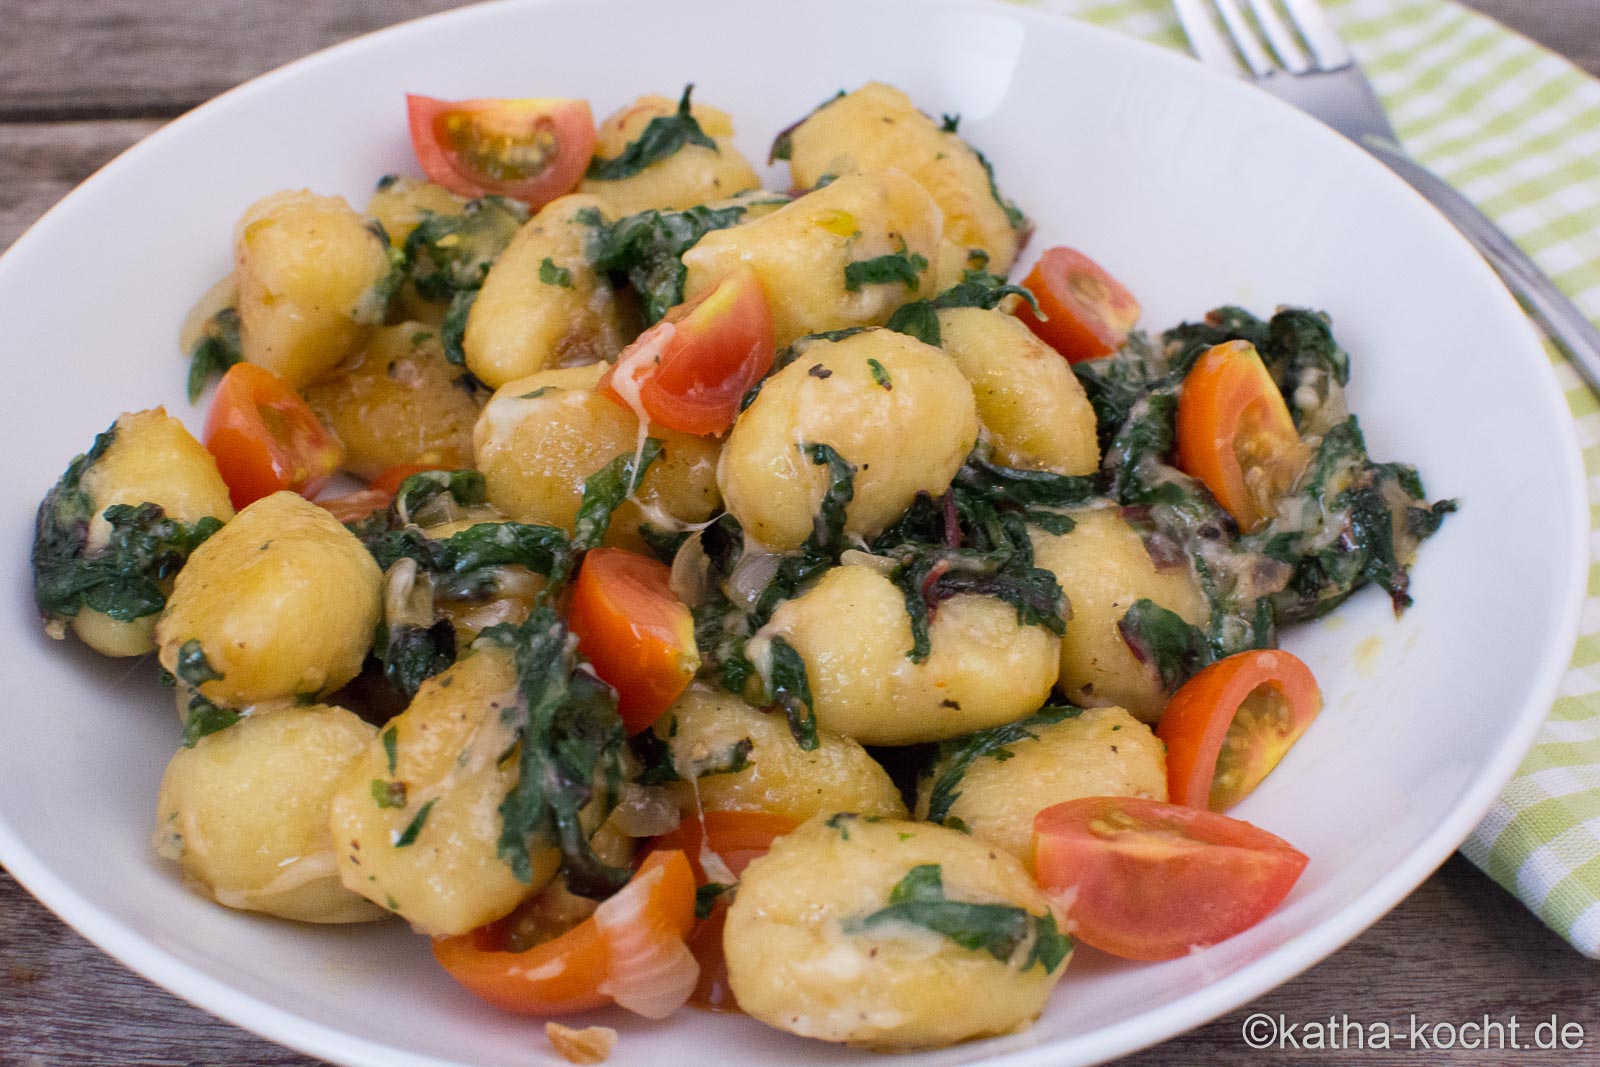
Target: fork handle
1567	326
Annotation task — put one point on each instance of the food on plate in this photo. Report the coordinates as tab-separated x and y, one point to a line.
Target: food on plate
657	589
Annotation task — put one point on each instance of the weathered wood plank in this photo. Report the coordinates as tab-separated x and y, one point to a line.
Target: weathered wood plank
67	59
41	162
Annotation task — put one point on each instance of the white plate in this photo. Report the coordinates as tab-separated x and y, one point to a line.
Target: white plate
1194	190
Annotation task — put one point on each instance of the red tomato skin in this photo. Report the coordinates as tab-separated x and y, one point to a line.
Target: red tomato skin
1179	878
568	123
252	454
1087	312
634	631
1196	720
694	367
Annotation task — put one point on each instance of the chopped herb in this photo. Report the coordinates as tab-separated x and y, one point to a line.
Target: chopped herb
216	351
841	822
918	899
790	692
879	374
550	274
193	669
453	331
706	897
390	747
887	269
949	123
203	718
408	836
571	746
957	755
388	794
391	903
976	289
537	393
662	138
606	489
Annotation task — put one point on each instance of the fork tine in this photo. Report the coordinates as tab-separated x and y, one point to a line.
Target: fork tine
1282	39
1315	26
1244	38
1204	38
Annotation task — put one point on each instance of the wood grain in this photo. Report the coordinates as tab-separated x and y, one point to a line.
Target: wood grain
80	81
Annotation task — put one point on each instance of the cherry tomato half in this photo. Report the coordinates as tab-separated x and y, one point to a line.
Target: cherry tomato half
1150	881
634	631
1235	432
1087	312
532	150
266	439
690	371
631	951
1229	725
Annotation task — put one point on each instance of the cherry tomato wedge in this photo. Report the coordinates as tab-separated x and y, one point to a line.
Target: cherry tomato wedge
1150	881
266	439
690	371
1235	432
532	150
636	633
353	507
630	952
1087	312
732	839
1229	725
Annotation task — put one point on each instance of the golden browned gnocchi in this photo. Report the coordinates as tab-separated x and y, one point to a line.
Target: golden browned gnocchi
244	813
823	938
401	202
709	734
147	457
811	254
852	631
878	127
1104	568
415	815
312	283
1028	399
400	403
541	436
992	785
280	603
897	410
543	304
694	174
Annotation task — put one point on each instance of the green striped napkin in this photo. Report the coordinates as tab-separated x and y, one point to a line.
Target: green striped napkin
1517	129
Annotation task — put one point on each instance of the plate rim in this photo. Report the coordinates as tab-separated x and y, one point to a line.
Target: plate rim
145	957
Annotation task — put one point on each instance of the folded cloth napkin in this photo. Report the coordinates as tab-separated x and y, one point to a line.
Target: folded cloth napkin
1517	129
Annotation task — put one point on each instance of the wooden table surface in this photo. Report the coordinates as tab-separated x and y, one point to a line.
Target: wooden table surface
80	81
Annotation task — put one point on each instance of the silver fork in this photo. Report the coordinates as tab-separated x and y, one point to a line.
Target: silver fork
1303	60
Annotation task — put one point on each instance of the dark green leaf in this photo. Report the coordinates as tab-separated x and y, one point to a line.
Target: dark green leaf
390	747
647	250
193	669
606	489
1164	640
663	138
413	654
790	692
957	755
706	897
783	144
216	351
449	254
453	331
827	535
408	836
550	274
887	269
203	718
571	751
879	374
918	899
